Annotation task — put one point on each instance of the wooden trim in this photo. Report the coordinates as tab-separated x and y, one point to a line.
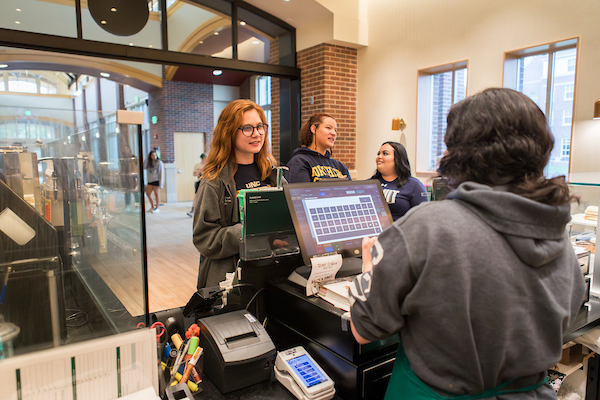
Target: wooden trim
92	63
45	119
59	96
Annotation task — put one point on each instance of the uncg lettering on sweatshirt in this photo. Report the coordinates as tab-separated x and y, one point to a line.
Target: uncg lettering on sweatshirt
325	171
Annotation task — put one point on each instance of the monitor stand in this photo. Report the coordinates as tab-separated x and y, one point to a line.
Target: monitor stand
350	266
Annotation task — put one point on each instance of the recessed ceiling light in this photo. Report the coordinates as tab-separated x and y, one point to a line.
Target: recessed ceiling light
97	134
255	42
113	9
242	23
103	22
201	42
105	74
83	138
18	9
131	44
17	22
3	65
217	72
149	45
216	33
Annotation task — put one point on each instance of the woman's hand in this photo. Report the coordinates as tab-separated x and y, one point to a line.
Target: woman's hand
367	260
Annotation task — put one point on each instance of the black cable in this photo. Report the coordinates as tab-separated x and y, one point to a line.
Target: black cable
253	297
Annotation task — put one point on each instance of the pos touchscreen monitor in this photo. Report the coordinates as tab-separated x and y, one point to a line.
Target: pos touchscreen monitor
334	216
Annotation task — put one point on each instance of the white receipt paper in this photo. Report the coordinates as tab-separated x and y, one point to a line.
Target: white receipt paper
324	269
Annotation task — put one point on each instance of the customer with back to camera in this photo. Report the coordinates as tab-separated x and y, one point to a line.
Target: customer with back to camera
198	174
400	189
155	172
312	161
239	158
480	286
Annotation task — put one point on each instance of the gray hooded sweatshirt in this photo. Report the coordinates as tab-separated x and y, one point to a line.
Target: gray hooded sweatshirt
480	286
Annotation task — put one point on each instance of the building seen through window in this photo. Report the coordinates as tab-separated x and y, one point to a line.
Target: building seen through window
547	75
438	89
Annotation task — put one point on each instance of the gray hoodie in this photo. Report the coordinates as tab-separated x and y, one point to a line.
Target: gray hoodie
480	286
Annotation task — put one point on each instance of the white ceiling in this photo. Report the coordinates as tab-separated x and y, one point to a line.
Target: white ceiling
294	12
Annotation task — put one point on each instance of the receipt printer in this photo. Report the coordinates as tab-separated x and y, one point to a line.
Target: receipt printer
238	352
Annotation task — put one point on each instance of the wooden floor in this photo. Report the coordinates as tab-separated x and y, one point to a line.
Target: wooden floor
172	257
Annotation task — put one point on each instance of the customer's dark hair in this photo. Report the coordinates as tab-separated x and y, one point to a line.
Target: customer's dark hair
401	164
501	137
306	135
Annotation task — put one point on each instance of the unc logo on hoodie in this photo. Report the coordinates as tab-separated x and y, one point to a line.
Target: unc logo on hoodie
325	171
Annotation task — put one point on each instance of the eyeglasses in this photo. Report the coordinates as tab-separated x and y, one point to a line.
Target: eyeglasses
248	130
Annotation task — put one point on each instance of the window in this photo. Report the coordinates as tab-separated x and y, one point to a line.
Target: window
438	89
569	91
262	94
567	117
565	147
541	73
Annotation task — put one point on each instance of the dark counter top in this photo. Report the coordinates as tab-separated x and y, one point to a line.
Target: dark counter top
587	319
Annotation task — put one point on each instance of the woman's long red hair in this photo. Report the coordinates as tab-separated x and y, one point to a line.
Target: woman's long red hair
223	141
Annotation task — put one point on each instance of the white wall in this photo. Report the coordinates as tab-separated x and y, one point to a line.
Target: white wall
414	34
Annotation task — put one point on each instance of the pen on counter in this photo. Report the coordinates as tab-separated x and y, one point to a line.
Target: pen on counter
182	351
191	364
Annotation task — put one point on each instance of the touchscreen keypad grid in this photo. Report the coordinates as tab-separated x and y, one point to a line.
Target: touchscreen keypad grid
338	222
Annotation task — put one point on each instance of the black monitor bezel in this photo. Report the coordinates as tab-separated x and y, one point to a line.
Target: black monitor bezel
329	183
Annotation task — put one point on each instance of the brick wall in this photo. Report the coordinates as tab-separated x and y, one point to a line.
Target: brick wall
245	89
328	84
180	107
275	120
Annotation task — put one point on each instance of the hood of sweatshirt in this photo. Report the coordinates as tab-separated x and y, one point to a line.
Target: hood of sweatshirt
535	231
306	150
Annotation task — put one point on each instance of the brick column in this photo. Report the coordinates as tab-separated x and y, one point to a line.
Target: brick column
328	84
180	107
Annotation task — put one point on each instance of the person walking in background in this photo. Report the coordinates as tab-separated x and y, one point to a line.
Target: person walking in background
482	285
198	174
400	189
313	161
155	172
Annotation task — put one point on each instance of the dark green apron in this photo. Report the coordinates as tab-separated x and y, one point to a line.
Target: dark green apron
406	385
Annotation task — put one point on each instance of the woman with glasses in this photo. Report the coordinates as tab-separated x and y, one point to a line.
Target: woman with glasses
313	161
239	158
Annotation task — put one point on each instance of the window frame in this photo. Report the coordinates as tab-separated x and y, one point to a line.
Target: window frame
424	110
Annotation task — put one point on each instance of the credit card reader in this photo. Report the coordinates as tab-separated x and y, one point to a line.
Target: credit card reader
301	375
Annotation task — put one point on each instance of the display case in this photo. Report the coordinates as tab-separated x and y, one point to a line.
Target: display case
71	228
583	226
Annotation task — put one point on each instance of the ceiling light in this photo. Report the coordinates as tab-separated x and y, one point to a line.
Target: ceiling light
3	65
17	22
105	74
83	138
216	33
242	23
18	9
255	42
131	44
98	134
201	42
103	22
113	9
149	45
217	72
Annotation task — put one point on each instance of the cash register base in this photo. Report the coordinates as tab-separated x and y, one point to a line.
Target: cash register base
360	372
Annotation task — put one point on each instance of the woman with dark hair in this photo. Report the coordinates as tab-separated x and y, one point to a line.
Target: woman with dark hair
400	189
239	158
480	286
155	172
312	161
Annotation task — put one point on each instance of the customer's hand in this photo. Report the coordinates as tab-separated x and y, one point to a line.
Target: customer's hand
367	260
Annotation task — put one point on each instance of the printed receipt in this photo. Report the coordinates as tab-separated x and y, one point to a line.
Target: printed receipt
323	269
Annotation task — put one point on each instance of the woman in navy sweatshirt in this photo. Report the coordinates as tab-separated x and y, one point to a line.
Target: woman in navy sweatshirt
401	190
313	161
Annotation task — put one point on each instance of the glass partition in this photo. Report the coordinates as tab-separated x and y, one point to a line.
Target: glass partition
76	190
40	16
